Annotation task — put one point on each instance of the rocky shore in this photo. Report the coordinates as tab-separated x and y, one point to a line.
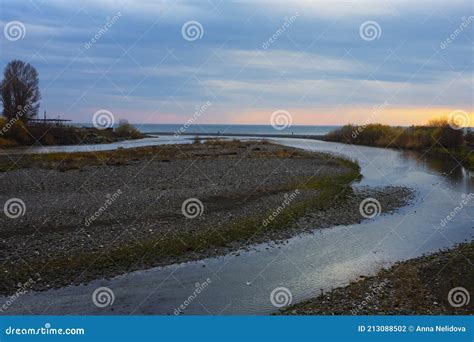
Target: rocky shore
88	216
437	284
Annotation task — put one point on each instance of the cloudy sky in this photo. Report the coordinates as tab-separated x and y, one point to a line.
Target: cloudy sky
324	62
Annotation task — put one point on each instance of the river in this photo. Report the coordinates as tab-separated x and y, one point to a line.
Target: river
241	283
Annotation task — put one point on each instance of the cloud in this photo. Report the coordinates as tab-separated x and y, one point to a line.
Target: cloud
451	88
319	65
333	9
286	61
164	10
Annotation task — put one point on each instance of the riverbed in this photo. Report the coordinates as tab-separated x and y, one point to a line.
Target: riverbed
242	283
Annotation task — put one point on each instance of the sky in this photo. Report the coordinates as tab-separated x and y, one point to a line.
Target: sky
321	62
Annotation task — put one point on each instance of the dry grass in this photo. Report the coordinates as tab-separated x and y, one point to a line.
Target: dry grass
209	149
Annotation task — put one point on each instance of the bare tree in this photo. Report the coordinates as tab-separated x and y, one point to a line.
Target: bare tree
20	91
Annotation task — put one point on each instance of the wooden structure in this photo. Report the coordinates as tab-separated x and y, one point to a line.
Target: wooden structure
50	122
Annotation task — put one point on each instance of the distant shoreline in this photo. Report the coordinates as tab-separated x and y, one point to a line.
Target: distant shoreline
256	135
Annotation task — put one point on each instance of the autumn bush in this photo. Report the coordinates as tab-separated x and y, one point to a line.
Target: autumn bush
437	133
16	131
126	130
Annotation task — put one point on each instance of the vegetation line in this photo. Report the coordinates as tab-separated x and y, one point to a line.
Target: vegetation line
439	138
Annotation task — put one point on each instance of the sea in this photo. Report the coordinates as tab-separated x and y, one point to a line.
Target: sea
231	129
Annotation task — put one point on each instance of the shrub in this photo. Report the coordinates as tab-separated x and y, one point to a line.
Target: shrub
126	130
19	132
469	138
437	132
48	139
7	143
447	136
14	132
372	135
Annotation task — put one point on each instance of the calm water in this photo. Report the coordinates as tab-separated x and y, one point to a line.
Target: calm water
324	259
166	139
156	140
229	129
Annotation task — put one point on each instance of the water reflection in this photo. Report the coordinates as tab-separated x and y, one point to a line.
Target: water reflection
155	140
457	175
